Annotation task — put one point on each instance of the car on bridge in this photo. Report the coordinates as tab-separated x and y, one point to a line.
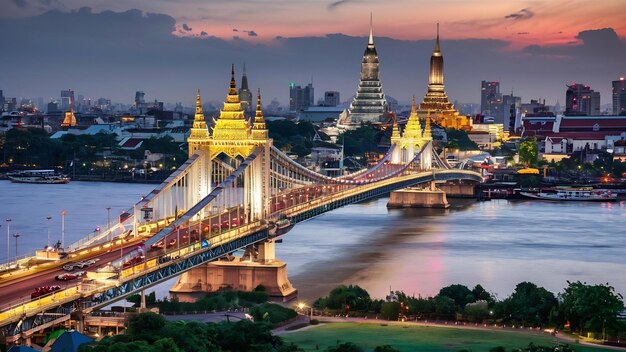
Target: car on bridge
159	245
80	265
134	260
69	276
44	290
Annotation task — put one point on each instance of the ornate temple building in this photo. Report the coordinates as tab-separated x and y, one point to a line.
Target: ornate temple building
436	103
369	104
413	137
245	95
70	119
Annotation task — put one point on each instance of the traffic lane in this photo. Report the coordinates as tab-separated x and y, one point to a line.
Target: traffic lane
19	292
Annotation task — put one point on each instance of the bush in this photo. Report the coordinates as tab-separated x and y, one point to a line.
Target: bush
314	322
273	313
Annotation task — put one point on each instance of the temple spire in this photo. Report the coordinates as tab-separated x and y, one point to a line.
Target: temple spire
259	130
413	106
437	47
427	131
199	114
371	39
233	84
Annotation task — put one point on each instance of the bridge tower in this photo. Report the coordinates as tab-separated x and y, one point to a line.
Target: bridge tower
412	141
233	139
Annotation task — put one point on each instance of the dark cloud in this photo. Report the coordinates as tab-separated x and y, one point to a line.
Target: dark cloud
235	30
333	5
186	27
251	33
94	67
203	33
22	4
522	14
522	33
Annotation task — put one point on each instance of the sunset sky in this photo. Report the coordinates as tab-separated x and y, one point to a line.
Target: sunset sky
534	47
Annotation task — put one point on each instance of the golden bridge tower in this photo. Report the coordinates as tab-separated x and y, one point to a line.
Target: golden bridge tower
436	99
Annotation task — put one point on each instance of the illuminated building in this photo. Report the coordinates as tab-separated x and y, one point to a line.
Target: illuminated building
491	100
300	98
70	118
436	103
245	95
580	99
369	103
619	96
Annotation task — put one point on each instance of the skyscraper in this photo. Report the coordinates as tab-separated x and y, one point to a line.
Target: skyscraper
300	98
619	96
67	99
369	104
245	95
580	99
511	106
436	103
491	100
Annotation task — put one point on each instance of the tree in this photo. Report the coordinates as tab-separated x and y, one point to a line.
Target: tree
459	293
390	310
529	305
591	307
343	296
529	152
385	348
147	326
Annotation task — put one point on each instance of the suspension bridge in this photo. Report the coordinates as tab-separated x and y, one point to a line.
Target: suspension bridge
235	191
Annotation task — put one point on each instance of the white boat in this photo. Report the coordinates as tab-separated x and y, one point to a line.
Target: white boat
37	176
585	194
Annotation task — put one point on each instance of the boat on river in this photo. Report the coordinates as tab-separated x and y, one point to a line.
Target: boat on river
584	194
38	176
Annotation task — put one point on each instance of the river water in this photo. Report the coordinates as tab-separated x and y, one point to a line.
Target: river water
496	243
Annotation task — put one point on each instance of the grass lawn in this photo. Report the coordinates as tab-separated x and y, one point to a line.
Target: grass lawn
416	338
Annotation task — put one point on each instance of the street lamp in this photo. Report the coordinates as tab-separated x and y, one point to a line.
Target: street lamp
48	217
63	213
302	306
8	238
108	222
16	235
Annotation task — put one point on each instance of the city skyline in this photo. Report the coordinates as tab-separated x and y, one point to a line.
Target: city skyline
96	54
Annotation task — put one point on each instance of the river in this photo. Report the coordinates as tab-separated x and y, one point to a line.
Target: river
497	243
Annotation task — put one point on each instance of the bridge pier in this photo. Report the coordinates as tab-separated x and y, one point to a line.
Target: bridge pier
257	267
459	189
431	197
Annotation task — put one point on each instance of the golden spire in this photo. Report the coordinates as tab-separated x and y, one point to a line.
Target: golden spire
413	128
70	118
259	130
437	48
199	114
231	125
199	132
395	131
371	39
427	131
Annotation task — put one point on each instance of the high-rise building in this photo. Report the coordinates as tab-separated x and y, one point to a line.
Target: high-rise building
436	104
245	95
67	100
53	107
491	100
619	96
140	102
580	99
331	98
300	98
369	103
511	106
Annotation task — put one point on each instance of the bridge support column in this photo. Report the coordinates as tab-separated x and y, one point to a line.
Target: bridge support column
143	299
459	189
431	197
258	266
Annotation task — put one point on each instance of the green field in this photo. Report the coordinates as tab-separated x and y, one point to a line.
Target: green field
411	338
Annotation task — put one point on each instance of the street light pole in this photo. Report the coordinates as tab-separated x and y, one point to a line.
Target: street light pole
8	239
48	217
16	235
108	222
63	213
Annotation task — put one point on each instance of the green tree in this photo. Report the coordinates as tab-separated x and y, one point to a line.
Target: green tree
385	348
147	326
390	310
529	152
591	308
459	293
529	305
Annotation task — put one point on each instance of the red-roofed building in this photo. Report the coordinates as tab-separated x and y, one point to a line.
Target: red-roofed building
130	143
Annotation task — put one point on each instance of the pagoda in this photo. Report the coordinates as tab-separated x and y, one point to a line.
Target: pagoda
369	104
245	95
436	101
70	118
